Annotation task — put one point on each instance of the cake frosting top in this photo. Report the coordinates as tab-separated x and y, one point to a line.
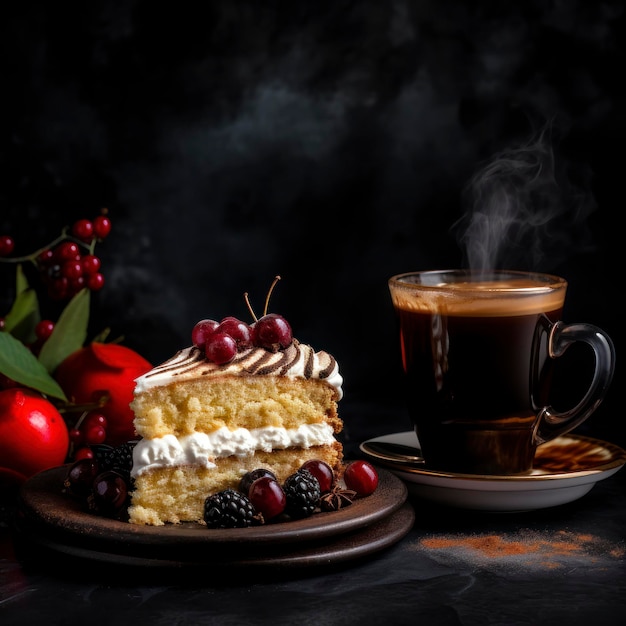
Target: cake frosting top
297	360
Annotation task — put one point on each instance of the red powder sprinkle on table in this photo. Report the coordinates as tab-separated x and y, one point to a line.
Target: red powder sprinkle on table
526	548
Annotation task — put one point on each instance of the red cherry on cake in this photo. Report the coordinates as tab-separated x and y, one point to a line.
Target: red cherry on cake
202	331
238	330
220	348
272	332
221	341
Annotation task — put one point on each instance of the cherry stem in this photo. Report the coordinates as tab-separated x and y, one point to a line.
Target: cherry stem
269	293
267	299
245	297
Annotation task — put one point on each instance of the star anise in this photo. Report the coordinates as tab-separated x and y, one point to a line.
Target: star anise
338	498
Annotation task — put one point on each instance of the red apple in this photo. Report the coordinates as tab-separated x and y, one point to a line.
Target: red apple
104	369
33	435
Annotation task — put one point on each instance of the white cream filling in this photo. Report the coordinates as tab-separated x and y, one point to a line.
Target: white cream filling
201	449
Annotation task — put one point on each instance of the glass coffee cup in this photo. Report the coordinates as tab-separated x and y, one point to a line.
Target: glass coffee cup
478	350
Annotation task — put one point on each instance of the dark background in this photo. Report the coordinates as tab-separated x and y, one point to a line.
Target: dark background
332	143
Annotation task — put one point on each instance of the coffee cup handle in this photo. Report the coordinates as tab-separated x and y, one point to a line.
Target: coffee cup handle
551	423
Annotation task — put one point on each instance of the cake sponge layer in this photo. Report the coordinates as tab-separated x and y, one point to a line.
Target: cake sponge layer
177	494
234	402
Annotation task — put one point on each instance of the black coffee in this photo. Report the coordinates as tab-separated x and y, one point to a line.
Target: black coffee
476	374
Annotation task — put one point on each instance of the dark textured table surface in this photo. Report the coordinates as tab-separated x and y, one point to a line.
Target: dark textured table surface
335	144
565	564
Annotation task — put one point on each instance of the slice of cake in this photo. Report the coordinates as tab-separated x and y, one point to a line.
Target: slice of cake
205	418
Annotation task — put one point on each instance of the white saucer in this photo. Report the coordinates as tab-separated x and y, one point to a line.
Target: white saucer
565	469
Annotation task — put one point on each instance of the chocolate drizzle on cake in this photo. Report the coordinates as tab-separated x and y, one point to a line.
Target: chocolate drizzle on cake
262	364
330	368
295	360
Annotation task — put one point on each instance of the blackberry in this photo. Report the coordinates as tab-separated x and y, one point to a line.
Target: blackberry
229	509
115	458
101	453
303	492
120	459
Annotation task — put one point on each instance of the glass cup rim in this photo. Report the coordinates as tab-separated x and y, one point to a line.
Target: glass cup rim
428	279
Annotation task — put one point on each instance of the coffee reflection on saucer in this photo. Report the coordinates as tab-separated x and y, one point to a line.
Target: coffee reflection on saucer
567	454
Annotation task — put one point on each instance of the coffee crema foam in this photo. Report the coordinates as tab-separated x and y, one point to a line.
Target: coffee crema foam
488	298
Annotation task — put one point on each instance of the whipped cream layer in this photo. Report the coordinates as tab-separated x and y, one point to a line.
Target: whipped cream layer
202	449
297	360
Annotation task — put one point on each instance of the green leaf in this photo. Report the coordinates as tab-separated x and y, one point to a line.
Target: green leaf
21	283
69	332
24	315
18	363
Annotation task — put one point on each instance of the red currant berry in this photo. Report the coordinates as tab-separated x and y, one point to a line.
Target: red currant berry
101	226
83	453
83	230
267	497
220	348
66	251
6	245
238	330
322	471
72	269
76	284
95	282
44	329
272	332
91	264
94	434
362	477
201	332
76	436
45	257
95	418
58	288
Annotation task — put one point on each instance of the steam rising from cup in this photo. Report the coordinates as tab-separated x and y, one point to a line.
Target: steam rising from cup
525	210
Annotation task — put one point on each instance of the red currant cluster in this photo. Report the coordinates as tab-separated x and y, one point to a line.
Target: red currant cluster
222	340
90	430
67	264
